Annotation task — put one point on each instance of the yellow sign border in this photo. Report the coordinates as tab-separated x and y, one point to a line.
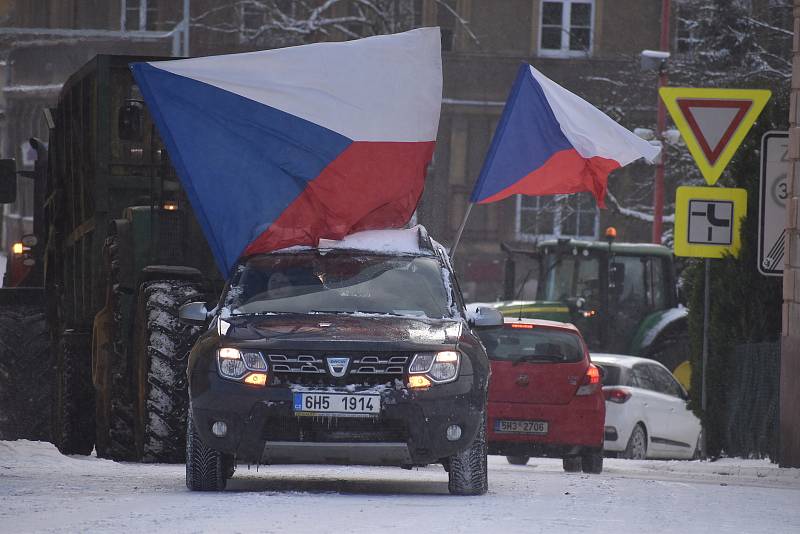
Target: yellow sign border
671	95
686	193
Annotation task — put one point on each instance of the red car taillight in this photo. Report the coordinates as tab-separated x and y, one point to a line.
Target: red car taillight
617	395
591	381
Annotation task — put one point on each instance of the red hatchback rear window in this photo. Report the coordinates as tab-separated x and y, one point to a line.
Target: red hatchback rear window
537	344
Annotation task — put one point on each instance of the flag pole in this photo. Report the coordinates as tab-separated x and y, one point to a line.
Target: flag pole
460	231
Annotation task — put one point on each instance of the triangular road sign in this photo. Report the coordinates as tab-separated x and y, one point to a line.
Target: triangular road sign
713	122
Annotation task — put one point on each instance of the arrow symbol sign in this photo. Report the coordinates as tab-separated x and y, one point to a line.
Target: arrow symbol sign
713	122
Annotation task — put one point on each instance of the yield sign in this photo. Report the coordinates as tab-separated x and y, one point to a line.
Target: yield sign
713	122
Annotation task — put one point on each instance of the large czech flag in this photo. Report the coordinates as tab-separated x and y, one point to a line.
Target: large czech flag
285	147
551	141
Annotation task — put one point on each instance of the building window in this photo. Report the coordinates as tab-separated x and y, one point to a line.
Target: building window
139	15
549	217
566	28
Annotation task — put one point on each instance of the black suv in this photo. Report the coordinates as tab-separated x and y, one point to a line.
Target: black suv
356	352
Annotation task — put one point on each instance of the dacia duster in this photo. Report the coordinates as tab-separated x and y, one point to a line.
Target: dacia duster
357	352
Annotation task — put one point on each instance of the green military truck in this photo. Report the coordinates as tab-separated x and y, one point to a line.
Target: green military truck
116	250
622	296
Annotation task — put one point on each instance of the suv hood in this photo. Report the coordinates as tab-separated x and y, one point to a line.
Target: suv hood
400	332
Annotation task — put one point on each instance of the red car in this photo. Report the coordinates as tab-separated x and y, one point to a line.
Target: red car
545	396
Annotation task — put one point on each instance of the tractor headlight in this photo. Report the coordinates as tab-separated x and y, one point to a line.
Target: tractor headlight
440	367
235	364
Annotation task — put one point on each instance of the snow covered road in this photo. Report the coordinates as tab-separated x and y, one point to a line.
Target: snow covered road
41	490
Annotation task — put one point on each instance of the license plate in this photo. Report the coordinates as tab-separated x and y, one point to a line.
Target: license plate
520	427
336	403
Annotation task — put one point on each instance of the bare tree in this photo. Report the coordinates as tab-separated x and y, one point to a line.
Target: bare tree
272	23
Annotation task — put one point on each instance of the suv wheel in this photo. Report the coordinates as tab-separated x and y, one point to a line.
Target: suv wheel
571	464
206	469
592	462
468	473
518	460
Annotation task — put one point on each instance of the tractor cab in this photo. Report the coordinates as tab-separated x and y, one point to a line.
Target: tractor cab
609	290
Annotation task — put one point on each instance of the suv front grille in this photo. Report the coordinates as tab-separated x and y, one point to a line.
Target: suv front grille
384	366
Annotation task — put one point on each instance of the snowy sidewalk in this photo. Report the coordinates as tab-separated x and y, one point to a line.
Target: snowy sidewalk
43	491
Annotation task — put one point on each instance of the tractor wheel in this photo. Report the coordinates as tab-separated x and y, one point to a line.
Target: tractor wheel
26	371
73	403
115	419
161	346
671	347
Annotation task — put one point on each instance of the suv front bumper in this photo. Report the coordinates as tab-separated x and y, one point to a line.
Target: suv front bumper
263	428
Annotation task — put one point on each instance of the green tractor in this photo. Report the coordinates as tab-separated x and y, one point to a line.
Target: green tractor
622	296
116	250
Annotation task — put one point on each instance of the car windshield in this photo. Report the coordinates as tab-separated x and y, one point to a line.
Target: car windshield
612	373
339	282
514	342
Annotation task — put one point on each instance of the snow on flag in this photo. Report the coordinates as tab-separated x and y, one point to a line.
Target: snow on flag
550	141
284	147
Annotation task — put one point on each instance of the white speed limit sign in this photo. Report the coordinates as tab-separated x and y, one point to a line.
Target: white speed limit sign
772	203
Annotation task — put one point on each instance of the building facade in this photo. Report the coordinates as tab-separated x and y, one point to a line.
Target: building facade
584	45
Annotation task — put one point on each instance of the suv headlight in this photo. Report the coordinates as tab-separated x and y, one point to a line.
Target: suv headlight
235	364
440	367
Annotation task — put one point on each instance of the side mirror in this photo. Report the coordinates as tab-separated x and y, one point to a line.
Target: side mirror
8	181
194	313
484	316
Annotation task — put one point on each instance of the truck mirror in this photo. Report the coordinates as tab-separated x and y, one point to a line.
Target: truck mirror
8	181
194	313
130	122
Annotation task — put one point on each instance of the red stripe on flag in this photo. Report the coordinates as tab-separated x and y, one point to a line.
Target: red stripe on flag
565	172
369	186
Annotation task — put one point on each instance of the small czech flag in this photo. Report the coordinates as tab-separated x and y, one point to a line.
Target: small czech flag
550	141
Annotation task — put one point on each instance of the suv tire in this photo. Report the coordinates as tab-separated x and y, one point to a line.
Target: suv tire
161	345
518	460
468	470
206	469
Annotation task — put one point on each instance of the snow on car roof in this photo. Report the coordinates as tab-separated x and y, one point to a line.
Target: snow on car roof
396	241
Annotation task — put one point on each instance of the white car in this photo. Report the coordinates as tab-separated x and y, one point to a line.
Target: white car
646	411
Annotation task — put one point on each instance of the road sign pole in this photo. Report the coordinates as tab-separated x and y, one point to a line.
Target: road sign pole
703	396
789	425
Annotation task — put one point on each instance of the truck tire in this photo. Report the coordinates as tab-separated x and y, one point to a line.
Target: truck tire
468	472
206	469
161	344
115	420
73	403
24	361
518	460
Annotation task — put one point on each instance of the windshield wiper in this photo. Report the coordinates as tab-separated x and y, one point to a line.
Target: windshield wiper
537	358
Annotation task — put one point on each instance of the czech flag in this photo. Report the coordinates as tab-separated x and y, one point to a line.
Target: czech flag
551	141
284	147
